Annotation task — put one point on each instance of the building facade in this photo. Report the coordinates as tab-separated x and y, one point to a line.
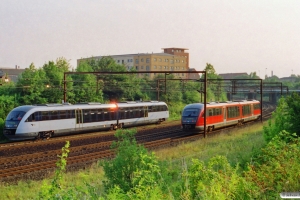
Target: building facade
10	74
171	59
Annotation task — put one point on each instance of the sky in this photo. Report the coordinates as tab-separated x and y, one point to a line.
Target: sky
234	36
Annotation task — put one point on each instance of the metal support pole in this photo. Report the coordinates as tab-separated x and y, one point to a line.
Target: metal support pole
261	100
157	88
205	90
65	90
166	86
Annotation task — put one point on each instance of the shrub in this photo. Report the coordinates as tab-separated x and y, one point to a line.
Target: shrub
133	172
216	180
276	170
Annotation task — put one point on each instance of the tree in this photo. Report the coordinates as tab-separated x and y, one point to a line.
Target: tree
54	74
284	118
215	91
86	86
31	84
116	87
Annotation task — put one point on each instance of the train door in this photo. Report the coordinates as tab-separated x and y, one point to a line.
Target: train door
224	115
79	118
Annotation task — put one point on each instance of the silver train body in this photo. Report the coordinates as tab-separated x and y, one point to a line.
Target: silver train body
47	120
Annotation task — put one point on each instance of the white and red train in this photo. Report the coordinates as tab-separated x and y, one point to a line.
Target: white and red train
47	120
219	114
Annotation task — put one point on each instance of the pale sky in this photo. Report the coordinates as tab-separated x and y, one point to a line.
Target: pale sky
233	35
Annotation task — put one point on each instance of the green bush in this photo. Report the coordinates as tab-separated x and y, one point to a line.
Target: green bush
133	173
216	180
276	169
284	118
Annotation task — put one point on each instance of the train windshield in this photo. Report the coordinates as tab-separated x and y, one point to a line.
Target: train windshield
190	112
14	118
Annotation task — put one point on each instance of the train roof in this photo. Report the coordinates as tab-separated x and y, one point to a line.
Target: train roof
213	104
67	106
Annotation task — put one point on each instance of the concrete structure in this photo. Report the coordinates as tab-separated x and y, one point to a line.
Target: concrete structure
232	75
288	79
172	59
11	74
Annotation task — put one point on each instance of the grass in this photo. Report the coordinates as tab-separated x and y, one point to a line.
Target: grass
237	146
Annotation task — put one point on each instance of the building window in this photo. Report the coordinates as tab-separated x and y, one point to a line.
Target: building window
136	67
118	61
160	60
147	68
182	61
182	68
167	67
148	60
159	67
171	61
172	67
154	66
142	67
154	59
142	60
182	74
136	61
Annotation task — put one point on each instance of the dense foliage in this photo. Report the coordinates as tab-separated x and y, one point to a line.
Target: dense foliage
46	85
286	117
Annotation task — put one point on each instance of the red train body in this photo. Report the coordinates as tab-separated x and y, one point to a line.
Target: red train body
219	114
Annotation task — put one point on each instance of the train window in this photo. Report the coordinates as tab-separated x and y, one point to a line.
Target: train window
72	114
217	111
113	115
190	112
256	106
246	109
210	112
233	111
15	116
100	115
63	114
106	116
53	115
131	114
86	116
30	118
93	115
45	115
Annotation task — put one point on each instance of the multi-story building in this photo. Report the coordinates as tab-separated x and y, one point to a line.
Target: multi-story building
171	59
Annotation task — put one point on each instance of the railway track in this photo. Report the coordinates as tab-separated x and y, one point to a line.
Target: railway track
36	159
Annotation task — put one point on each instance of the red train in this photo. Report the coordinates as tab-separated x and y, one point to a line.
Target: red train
219	114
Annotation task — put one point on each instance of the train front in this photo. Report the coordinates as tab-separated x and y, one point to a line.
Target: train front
190	118
14	121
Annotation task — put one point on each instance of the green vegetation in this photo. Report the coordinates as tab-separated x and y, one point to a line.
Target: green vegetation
247	164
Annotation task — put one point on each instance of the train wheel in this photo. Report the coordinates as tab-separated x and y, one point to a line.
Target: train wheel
210	128
111	127
38	137
120	125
